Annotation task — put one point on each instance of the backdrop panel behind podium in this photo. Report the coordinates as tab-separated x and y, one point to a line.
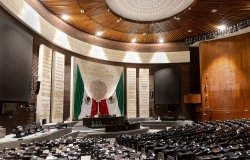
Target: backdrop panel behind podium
167	86
15	62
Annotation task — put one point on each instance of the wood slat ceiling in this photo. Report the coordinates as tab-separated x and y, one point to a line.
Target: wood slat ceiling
199	19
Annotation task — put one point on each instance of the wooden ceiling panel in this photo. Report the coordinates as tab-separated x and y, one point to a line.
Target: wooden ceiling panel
198	18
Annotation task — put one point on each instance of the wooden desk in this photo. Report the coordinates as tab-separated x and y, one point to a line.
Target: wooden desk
88	122
122	127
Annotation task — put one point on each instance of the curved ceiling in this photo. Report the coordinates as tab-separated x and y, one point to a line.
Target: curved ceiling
95	17
148	10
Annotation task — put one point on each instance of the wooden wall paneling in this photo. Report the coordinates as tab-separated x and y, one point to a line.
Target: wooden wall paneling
225	71
243	49
67	73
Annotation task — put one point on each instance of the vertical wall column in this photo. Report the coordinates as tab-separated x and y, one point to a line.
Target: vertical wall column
144	92
72	88
131	92
57	87
44	76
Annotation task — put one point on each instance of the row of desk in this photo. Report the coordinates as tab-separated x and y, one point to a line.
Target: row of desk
101	122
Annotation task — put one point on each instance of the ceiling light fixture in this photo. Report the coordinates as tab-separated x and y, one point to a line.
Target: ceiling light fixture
177	18
99	33
118	20
133	40
148	10
65	17
189	31
82	11
214	10
221	27
144	33
161	40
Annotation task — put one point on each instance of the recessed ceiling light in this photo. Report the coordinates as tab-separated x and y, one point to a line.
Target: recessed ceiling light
161	40
152	10
82	11
65	16
108	10
189	8
221	27
99	33
189	31
177	18
144	33
214	10
133	40
118	20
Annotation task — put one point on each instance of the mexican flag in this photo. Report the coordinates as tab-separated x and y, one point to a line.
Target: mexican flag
85	104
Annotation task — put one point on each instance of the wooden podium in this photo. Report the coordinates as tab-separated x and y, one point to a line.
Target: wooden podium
194	99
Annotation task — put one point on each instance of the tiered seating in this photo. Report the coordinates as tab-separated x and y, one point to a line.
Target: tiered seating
55	149
69	148
210	140
225	140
